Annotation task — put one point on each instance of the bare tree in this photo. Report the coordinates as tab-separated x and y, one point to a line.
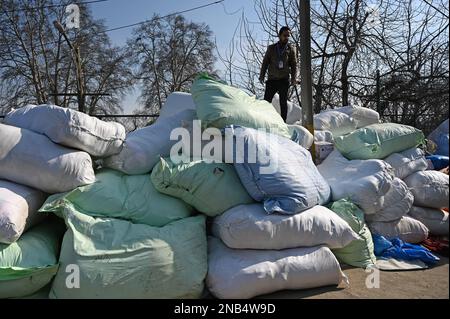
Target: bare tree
405	41
36	62
169	52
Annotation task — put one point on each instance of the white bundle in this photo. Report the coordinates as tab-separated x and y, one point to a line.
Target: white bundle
436	220
294	112
407	162
18	210
241	273
337	123
363	182
430	188
396	203
250	227
31	159
70	128
406	228
363	116
143	147
301	135
323	136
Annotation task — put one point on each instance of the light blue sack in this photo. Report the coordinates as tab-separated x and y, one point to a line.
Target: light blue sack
277	171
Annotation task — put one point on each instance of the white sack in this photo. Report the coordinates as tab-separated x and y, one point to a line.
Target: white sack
241	273
407	229
407	162
301	135
70	128
396	203
337	123
143	147
294	112
363	116
435	220
363	182
31	159
430	188
18	210
250	227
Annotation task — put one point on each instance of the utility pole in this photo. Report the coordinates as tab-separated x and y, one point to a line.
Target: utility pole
76	55
378	92
305	69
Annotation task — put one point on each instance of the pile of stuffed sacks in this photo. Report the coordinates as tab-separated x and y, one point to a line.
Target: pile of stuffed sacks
149	222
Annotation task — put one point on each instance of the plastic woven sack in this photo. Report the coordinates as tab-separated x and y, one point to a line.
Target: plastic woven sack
358	253
377	141
31	159
250	227
294	111
436	220
363	182
143	147
70	128
363	116
301	135
430	188
278	172
31	262
242	273
211	188
337	123
18	210
129	197
407	162
406	228
118	259
396	203
176	102
219	105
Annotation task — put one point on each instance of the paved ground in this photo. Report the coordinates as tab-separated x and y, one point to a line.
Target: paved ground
431	283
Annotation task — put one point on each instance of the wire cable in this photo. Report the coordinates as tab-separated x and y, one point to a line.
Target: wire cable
50	6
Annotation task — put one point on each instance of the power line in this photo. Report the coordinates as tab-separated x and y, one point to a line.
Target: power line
162	17
142	22
50	6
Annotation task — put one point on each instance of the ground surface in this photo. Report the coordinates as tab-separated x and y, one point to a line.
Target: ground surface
431	283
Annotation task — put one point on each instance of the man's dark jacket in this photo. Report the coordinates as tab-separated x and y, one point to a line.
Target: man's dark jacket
271	59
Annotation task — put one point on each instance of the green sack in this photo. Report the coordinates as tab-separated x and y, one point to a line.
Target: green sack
30	263
117	259
219	105
211	188
129	197
377	141
358	253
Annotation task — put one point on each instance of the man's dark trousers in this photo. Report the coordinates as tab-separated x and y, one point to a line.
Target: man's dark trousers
280	86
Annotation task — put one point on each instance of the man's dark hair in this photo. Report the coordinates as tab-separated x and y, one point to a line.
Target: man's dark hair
283	29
